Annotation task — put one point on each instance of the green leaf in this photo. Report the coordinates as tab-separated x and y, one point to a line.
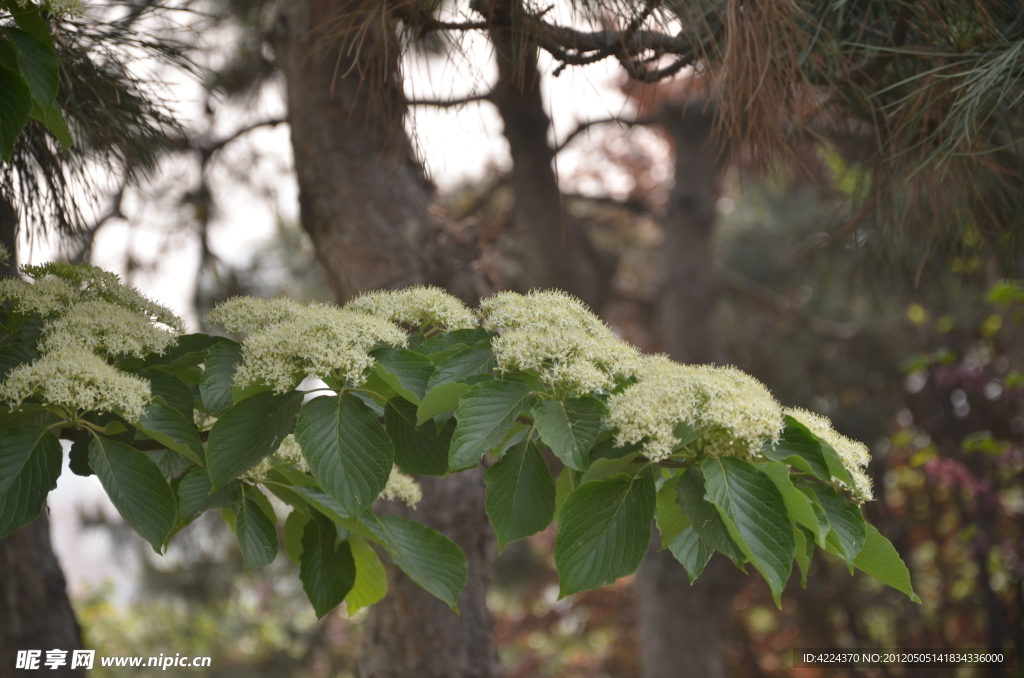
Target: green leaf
835	465
439	400
422	451
411	370
248	433
15	107
53	119
485	414
844	517
466	363
804	551
691	552
348	452
256	533
30	461
169	427
294	526
429	558
169	462
605	448
218	375
78	456
26	414
171	390
563	486
136	487
705	518
669	517
603	531
189	351
879	558
327	569
38	62
569	428
606	468
195	495
799	505
371	583
756	514
29	19
799	448
520	493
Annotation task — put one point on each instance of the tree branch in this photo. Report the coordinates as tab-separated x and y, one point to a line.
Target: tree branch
451	103
584	126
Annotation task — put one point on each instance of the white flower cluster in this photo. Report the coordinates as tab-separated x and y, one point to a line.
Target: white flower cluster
90	314
289	341
854	455
107	329
416	306
557	335
735	411
403	488
79	380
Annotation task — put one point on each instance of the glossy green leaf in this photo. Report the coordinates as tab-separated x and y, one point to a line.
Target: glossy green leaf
371	583
466	363
38	62
756	515
195	496
798	505
520	493
411	369
668	516
691	552
485	414
173	391
429	558
804	551
348	452
12	356
255	531
248	433
294	526
30	463
603	531
169	427
879	558
15	106
439	400
475	338
799	448
422	450
844	517
704	516
327	569
216	383
136	487
569	428
53	119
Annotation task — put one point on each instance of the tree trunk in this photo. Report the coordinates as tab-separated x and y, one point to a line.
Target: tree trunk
35	613
554	253
368	209
681	626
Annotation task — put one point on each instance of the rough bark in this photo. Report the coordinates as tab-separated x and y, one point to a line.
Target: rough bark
554	253
681	626
369	211
35	613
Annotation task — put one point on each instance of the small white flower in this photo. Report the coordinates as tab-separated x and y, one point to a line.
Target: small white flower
854	455
557	335
289	342
402	488
416	306
735	411
105	328
80	381
249	314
